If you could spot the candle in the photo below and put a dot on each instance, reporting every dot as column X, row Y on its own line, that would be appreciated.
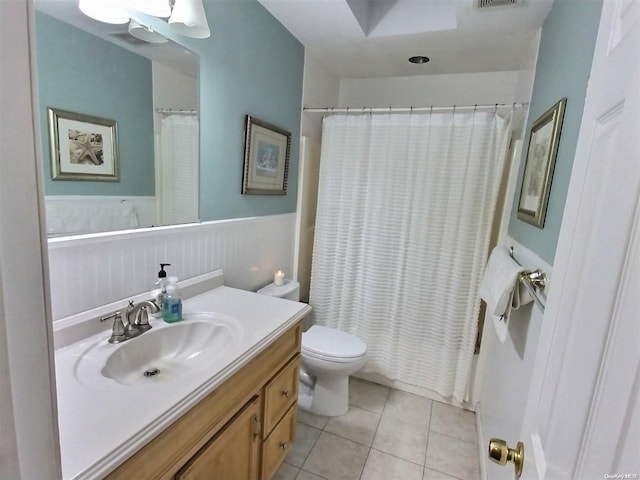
column 278, row 278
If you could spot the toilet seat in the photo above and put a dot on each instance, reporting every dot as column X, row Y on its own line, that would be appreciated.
column 332, row 345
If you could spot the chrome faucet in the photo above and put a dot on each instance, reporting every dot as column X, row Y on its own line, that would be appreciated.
column 137, row 317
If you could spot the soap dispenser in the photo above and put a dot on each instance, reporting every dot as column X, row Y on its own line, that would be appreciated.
column 159, row 289
column 172, row 302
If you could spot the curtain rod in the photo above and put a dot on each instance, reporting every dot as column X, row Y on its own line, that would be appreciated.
column 178, row 111
column 453, row 108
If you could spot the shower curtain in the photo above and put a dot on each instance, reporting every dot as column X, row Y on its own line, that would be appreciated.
column 405, row 205
column 177, row 168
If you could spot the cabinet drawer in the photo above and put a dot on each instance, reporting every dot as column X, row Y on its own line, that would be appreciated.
column 278, row 444
column 280, row 393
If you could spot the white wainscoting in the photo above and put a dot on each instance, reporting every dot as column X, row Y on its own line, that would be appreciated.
column 91, row 270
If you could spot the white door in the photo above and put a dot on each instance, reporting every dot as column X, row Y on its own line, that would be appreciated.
column 582, row 419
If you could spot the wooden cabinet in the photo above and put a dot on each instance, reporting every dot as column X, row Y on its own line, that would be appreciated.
column 278, row 443
column 280, row 394
column 280, row 408
column 242, row 430
column 232, row 453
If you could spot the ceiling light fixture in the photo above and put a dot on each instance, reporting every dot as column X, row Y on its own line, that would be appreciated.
column 145, row 33
column 105, row 11
column 186, row 17
column 419, row 59
column 189, row 18
column 155, row 8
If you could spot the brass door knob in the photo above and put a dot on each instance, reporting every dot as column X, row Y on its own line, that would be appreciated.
column 500, row 453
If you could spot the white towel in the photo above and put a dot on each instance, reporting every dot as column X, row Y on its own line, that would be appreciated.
column 499, row 281
column 502, row 290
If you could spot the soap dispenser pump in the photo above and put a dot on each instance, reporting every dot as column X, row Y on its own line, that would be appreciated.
column 160, row 289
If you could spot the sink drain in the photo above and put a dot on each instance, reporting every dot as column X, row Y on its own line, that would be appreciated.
column 152, row 372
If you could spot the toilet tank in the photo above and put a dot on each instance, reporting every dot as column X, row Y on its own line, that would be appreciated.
column 290, row 290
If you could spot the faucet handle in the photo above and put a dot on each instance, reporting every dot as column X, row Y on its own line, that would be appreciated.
column 142, row 319
column 117, row 331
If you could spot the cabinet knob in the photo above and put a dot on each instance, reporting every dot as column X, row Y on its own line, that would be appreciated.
column 285, row 393
column 283, row 445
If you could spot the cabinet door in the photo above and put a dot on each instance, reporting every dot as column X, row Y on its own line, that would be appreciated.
column 231, row 454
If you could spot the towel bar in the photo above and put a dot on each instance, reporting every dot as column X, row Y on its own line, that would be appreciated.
column 533, row 281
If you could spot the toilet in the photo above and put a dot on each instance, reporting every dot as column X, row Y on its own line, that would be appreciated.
column 328, row 357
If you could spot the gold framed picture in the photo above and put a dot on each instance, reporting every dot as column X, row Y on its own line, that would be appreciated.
column 266, row 158
column 544, row 139
column 82, row 147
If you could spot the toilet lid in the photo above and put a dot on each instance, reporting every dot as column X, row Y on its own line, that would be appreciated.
column 329, row 342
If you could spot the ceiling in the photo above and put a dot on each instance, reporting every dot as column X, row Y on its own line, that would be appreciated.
column 375, row 38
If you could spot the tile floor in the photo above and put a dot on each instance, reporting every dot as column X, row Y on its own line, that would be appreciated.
column 386, row 435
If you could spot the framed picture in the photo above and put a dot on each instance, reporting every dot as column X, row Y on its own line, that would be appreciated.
column 266, row 158
column 82, row 147
column 538, row 171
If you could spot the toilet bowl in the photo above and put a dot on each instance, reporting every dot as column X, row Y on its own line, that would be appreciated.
column 328, row 356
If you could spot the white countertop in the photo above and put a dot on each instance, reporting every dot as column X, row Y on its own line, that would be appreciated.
column 101, row 427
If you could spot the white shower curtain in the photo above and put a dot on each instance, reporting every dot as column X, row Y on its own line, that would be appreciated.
column 405, row 206
column 177, row 168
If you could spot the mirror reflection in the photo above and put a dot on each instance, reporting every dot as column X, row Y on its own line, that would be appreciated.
column 150, row 90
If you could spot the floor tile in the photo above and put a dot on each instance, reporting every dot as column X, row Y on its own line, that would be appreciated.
column 453, row 456
column 306, row 438
column 381, row 466
column 408, row 407
column 454, row 422
column 286, row 472
column 336, row 458
column 401, row 438
column 357, row 424
column 311, row 419
column 367, row 395
column 304, row 475
column 401, row 428
column 433, row 475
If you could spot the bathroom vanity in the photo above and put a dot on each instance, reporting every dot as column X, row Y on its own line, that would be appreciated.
column 230, row 415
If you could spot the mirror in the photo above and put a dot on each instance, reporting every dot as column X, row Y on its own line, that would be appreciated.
column 99, row 71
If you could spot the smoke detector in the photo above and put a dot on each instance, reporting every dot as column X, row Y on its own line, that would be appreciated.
column 496, row 3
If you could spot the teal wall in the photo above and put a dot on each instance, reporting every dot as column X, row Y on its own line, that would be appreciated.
column 562, row 70
column 250, row 65
column 82, row 73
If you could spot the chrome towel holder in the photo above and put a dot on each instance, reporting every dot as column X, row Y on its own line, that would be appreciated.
column 535, row 281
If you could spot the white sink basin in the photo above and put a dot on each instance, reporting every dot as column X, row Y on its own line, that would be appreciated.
column 165, row 353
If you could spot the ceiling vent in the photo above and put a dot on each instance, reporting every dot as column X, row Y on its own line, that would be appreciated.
column 495, row 3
